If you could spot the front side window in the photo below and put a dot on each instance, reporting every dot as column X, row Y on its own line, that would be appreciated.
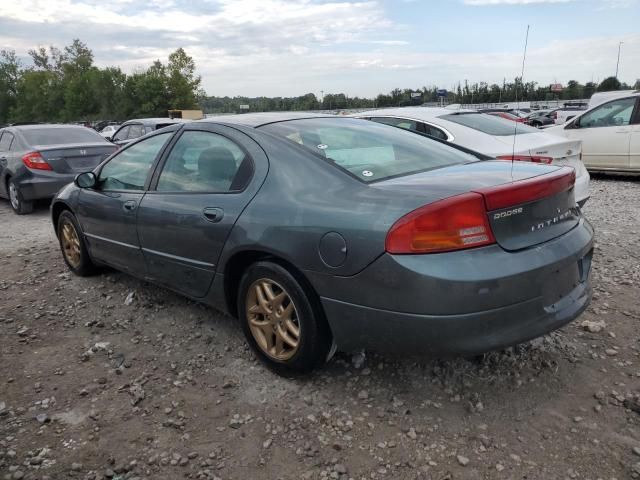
column 203, row 162
column 489, row 124
column 368, row 150
column 612, row 114
column 5, row 142
column 128, row 170
column 135, row 131
column 122, row 133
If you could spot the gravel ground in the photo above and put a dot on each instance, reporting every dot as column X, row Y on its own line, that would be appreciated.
column 93, row 386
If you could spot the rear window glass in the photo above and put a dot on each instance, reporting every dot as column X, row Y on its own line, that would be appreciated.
column 489, row 124
column 368, row 150
column 56, row 136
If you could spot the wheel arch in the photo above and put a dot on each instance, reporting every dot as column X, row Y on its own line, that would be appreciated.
column 56, row 210
column 236, row 266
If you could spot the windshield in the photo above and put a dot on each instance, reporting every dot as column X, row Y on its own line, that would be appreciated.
column 489, row 124
column 369, row 151
column 57, row 136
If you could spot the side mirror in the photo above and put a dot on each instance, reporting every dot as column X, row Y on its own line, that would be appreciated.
column 109, row 139
column 86, row 180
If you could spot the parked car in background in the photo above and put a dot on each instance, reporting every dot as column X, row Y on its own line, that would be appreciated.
column 602, row 97
column 322, row 233
column 108, row 131
column 491, row 136
column 508, row 116
column 38, row 160
column 610, row 134
column 132, row 129
column 540, row 118
column 563, row 115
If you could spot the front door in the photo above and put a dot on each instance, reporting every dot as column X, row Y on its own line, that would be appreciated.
column 605, row 132
column 108, row 213
column 204, row 183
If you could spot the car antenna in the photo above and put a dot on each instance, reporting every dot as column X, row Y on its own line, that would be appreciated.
column 515, row 128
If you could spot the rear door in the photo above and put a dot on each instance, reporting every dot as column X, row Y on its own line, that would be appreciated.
column 204, row 183
column 108, row 213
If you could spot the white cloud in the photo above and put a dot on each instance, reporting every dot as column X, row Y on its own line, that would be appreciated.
column 280, row 47
column 511, row 2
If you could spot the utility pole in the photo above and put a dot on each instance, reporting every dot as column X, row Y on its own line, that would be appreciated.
column 618, row 62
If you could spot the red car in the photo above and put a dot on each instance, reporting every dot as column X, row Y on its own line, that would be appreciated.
column 508, row 116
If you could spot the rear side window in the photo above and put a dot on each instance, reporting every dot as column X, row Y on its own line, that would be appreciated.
column 489, row 124
column 368, row 150
column 56, row 136
column 397, row 122
column 5, row 142
column 204, row 162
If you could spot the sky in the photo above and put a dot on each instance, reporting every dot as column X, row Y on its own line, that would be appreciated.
column 361, row 48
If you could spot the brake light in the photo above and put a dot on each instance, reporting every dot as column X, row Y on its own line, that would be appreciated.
column 527, row 158
column 454, row 223
column 529, row 190
column 34, row 161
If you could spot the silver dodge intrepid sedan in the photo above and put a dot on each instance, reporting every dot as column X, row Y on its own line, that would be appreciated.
column 321, row 233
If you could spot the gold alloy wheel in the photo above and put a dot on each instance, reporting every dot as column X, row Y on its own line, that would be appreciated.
column 70, row 243
column 273, row 319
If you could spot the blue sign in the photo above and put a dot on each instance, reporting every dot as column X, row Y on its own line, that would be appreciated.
column 442, row 92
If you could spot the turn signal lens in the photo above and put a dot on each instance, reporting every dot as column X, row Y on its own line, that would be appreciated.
column 454, row 223
column 526, row 158
column 35, row 161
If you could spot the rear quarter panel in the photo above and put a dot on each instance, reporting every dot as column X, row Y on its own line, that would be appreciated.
column 302, row 199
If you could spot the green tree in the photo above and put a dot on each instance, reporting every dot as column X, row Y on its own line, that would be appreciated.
column 10, row 71
column 183, row 85
column 609, row 84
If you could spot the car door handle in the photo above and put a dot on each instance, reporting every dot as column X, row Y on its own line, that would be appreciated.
column 213, row 214
column 129, row 205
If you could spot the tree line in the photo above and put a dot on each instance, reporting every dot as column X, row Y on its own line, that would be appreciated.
column 464, row 93
column 64, row 85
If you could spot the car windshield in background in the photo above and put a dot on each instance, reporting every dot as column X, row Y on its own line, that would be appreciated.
column 489, row 124
column 57, row 136
column 370, row 151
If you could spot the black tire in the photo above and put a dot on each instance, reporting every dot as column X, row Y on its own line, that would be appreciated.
column 83, row 267
column 536, row 124
column 19, row 205
column 314, row 337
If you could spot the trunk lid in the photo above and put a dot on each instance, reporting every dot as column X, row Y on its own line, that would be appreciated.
column 75, row 158
column 527, row 204
column 542, row 144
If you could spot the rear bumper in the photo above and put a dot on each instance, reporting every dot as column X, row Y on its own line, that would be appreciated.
column 464, row 302
column 36, row 185
column 581, row 189
column 355, row 327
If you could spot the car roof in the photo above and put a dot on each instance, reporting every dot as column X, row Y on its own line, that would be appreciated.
column 263, row 118
column 419, row 113
column 154, row 121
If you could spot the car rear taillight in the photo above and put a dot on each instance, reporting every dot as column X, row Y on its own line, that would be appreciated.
column 454, row 223
column 554, row 115
column 34, row 161
column 527, row 158
column 462, row 221
column 529, row 190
